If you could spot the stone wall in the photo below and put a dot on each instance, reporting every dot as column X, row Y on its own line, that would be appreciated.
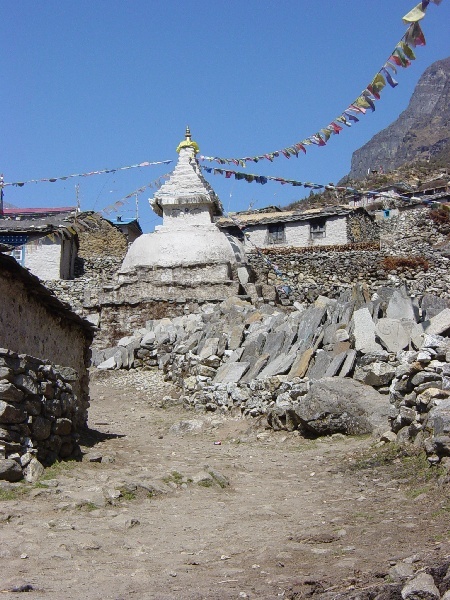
column 34, row 322
column 311, row 272
column 362, row 228
column 39, row 411
column 83, row 292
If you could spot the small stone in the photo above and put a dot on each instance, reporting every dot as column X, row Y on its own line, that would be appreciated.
column 33, row 471
column 95, row 457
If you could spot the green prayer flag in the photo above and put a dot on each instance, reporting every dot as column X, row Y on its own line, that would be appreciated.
column 408, row 51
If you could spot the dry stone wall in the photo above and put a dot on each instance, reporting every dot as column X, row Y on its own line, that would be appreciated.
column 311, row 272
column 352, row 365
column 34, row 322
column 40, row 414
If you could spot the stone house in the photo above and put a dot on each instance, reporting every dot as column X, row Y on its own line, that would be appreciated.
column 43, row 240
column 329, row 226
column 34, row 322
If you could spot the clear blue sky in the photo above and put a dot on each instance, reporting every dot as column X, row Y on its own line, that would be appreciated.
column 93, row 84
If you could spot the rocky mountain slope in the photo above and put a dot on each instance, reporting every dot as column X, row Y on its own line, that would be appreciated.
column 421, row 132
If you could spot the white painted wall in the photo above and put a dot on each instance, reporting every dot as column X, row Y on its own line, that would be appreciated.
column 185, row 214
column 298, row 234
column 43, row 258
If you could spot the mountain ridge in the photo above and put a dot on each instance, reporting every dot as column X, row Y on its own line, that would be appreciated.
column 421, row 132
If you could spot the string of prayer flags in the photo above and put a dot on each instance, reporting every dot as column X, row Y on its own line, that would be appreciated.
column 401, row 56
column 101, row 172
column 75, row 227
column 263, row 179
column 156, row 184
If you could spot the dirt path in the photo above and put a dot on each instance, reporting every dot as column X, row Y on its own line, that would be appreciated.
column 149, row 523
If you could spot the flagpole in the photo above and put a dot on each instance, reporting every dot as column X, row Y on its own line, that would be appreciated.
column 1, row 196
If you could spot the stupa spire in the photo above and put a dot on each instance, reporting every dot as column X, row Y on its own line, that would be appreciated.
column 188, row 142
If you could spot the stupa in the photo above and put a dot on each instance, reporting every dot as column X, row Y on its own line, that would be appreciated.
column 188, row 256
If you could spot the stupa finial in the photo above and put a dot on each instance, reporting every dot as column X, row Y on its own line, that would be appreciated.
column 188, row 142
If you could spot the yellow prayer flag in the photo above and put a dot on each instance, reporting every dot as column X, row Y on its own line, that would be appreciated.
column 415, row 14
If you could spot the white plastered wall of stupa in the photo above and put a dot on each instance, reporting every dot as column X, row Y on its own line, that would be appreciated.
column 188, row 249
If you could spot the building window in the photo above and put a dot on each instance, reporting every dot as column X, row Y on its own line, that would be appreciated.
column 19, row 254
column 317, row 229
column 276, row 234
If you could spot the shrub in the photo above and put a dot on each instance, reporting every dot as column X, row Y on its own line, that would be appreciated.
column 400, row 263
column 440, row 216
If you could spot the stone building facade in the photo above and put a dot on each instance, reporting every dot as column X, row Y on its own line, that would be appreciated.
column 320, row 227
column 34, row 322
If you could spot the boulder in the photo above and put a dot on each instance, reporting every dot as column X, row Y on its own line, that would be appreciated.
column 338, row 405
column 10, row 470
column 439, row 418
column 422, row 587
column 33, row 471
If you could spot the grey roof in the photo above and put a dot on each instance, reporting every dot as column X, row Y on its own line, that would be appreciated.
column 285, row 216
column 44, row 224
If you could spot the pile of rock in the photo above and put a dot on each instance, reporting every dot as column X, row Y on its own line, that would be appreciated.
column 420, row 393
column 332, row 367
column 39, row 415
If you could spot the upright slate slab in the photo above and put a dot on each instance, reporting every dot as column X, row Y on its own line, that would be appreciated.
column 335, row 365
column 321, row 363
column 400, row 306
column 432, row 305
column 254, row 348
column 310, row 323
column 209, row 348
column 343, row 312
column 256, row 368
column 231, row 372
column 301, row 363
column 280, row 365
column 349, row 363
column 392, row 334
column 290, row 337
column 364, row 332
column 236, row 337
column 439, row 324
column 274, row 342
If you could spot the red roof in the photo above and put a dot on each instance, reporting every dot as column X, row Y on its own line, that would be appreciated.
column 41, row 211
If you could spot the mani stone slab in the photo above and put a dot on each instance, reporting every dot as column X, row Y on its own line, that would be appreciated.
column 301, row 363
column 364, row 332
column 322, row 361
column 231, row 372
column 335, row 365
column 348, row 363
column 279, row 366
column 400, row 307
column 392, row 334
column 440, row 323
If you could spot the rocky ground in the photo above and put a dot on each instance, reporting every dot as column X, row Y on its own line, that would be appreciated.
column 186, row 505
